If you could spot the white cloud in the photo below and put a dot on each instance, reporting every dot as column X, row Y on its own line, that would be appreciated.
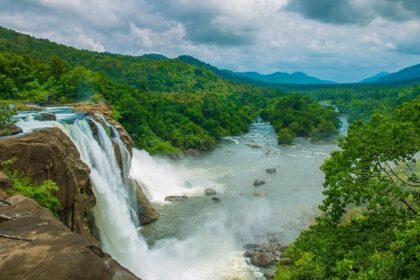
column 238, row 34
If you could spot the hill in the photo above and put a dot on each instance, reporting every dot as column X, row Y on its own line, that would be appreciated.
column 282, row 78
column 150, row 72
column 375, row 78
column 406, row 74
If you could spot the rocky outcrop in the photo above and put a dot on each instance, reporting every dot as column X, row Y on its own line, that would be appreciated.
column 35, row 245
column 49, row 154
column 146, row 212
column 10, row 130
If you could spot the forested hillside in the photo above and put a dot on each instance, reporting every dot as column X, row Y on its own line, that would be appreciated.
column 167, row 105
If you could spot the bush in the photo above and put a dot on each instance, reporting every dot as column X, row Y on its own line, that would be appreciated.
column 6, row 114
column 285, row 136
column 42, row 193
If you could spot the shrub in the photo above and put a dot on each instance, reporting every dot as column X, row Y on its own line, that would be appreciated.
column 42, row 193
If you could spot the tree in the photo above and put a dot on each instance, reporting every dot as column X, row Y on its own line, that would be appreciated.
column 375, row 167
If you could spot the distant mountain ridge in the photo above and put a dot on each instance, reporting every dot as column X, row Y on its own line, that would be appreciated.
column 375, row 77
column 406, row 74
column 283, row 78
column 255, row 77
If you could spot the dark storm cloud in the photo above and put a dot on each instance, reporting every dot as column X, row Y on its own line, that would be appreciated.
column 355, row 11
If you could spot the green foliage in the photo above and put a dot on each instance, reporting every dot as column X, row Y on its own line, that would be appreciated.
column 382, row 245
column 299, row 116
column 42, row 193
column 6, row 114
column 375, row 169
column 360, row 101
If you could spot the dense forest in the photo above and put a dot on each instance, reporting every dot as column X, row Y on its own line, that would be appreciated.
column 299, row 116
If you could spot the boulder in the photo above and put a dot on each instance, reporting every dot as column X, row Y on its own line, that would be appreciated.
column 145, row 209
column 173, row 198
column 265, row 254
column 49, row 154
column 209, row 191
column 271, row 170
column 261, row 259
column 10, row 130
column 45, row 117
column 269, row 275
column 258, row 182
column 46, row 249
column 215, row 199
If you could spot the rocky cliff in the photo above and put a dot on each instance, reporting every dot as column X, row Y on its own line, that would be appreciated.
column 35, row 245
column 48, row 154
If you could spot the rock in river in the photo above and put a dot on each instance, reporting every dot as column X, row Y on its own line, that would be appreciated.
column 258, row 182
column 173, row 198
column 271, row 170
column 265, row 254
column 209, row 191
column 45, row 117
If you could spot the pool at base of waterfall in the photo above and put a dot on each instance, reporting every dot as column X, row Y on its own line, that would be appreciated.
column 204, row 236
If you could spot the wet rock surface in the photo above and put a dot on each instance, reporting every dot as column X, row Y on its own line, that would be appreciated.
column 45, row 117
column 35, row 245
column 174, row 198
column 271, row 170
column 146, row 211
column 209, row 191
column 265, row 254
column 258, row 182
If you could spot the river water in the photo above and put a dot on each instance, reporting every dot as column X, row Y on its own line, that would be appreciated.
column 199, row 238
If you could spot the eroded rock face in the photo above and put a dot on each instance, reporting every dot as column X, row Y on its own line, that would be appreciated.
column 49, row 154
column 50, row 250
column 146, row 212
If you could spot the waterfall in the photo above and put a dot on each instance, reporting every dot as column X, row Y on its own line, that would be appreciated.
column 115, row 209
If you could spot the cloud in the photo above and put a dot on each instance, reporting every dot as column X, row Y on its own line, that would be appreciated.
column 341, row 40
column 355, row 11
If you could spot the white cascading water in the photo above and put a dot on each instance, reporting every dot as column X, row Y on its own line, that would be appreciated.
column 161, row 178
column 114, row 212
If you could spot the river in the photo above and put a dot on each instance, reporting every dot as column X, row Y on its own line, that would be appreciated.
column 199, row 238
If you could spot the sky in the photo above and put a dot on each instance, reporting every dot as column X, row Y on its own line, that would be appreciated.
column 339, row 40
